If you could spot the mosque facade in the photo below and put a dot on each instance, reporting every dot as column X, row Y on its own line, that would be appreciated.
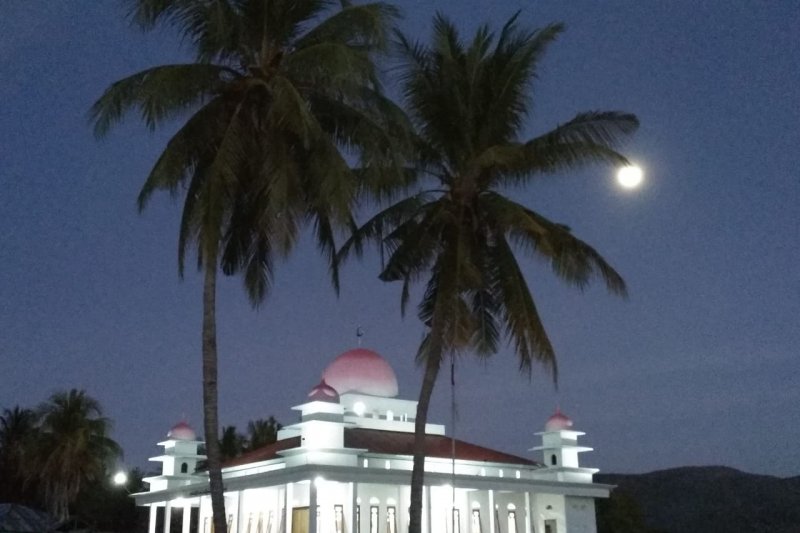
column 345, row 467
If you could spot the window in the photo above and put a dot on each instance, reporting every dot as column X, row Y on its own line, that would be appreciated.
column 269, row 522
column 358, row 519
column 338, row 518
column 456, row 521
column 184, row 468
column 373, row 519
column 550, row 526
column 391, row 520
column 512, row 522
column 553, row 460
column 476, row 521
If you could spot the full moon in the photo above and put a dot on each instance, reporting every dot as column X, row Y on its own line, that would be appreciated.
column 629, row 177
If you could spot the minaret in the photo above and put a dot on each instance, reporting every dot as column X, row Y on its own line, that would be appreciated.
column 560, row 451
column 179, row 461
column 322, row 419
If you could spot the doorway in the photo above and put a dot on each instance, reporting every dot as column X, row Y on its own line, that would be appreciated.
column 300, row 520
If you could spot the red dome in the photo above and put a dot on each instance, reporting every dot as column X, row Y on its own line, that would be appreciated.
column 182, row 431
column 362, row 371
column 557, row 422
column 323, row 393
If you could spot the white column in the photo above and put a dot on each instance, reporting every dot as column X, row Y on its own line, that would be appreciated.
column 491, row 512
column 151, row 528
column 167, row 516
column 353, row 506
column 187, row 517
column 427, row 511
column 312, row 507
column 241, row 523
column 287, row 500
column 528, row 514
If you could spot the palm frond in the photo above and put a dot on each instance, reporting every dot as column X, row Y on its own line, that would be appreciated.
column 519, row 313
column 364, row 26
column 571, row 259
column 159, row 93
column 185, row 150
column 589, row 138
column 383, row 222
column 213, row 26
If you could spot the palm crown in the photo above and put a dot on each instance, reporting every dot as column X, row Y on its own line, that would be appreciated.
column 282, row 91
column 469, row 103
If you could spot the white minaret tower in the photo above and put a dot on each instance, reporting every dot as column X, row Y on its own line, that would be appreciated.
column 560, row 451
column 179, row 461
column 321, row 431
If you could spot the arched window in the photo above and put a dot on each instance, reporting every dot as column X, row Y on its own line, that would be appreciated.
column 553, row 460
column 184, row 468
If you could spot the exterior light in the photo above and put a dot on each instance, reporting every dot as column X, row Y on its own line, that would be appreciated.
column 120, row 478
column 359, row 408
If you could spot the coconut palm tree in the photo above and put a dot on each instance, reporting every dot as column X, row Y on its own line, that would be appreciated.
column 231, row 443
column 281, row 92
column 73, row 448
column 18, row 436
column 261, row 432
column 469, row 102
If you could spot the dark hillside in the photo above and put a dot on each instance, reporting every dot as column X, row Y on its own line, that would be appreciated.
column 707, row 500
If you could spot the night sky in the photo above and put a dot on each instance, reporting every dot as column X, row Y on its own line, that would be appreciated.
column 699, row 366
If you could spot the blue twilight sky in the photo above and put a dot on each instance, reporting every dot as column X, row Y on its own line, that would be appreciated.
column 699, row 366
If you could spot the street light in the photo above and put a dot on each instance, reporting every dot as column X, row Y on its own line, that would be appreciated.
column 120, row 479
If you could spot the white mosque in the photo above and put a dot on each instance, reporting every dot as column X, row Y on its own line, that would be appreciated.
column 345, row 467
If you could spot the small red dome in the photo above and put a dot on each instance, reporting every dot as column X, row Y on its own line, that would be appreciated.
column 558, row 421
column 362, row 371
column 182, row 431
column 323, row 393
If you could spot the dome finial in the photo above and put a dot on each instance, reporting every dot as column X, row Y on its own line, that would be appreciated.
column 359, row 334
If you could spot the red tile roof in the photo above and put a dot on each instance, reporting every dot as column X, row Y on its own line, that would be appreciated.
column 390, row 442
column 265, row 453
column 402, row 443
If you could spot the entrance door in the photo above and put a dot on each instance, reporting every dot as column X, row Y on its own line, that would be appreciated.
column 300, row 520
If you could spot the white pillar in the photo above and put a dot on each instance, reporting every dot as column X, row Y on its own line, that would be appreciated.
column 427, row 512
column 151, row 528
column 312, row 507
column 287, row 500
column 353, row 506
column 187, row 517
column 528, row 514
column 241, row 524
column 491, row 512
column 167, row 516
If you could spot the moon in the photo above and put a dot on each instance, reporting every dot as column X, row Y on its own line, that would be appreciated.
column 630, row 177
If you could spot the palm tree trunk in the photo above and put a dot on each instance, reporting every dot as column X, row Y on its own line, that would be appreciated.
column 210, row 417
column 418, row 472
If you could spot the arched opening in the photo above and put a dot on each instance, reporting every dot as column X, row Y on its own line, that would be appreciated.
column 184, row 468
column 553, row 460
